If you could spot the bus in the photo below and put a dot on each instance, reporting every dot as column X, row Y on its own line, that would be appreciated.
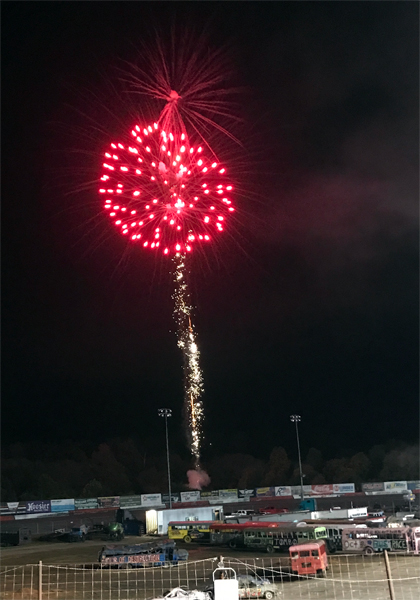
column 369, row 540
column 149, row 554
column 334, row 529
column 309, row 558
column 188, row 531
column 232, row 534
column 280, row 538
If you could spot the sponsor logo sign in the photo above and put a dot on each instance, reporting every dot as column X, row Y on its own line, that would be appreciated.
column 283, row 490
column 228, row 494
column 38, row 506
column 151, row 499
column 62, row 505
column 174, row 497
column 130, row 501
column 109, row 502
column 85, row 503
column 324, row 489
column 209, row 495
column 192, row 496
column 377, row 486
column 307, row 490
column 246, row 493
column 344, row 488
column 413, row 485
column 264, row 492
column 395, row 486
column 10, row 508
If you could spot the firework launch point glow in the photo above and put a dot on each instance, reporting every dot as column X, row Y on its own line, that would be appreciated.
column 163, row 192
column 197, row 479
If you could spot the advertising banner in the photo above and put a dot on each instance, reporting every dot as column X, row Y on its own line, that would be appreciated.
column 357, row 512
column 85, row 503
column 130, row 501
column 109, row 502
column 413, row 485
column 307, row 490
column 395, row 486
column 12, row 508
column 38, row 506
column 264, row 492
column 228, row 494
column 151, row 500
column 283, row 490
column 344, row 488
column 246, row 493
column 192, row 496
column 214, row 495
column 368, row 488
column 62, row 505
column 175, row 498
column 325, row 489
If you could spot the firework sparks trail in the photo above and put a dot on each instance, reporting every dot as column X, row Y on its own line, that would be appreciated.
column 193, row 379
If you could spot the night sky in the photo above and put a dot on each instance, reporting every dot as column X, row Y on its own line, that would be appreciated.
column 310, row 307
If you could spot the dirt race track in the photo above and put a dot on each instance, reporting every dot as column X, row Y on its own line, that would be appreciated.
column 70, row 572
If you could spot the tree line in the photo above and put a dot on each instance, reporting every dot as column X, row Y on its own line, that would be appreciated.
column 123, row 467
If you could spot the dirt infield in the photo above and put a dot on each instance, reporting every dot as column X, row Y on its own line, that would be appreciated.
column 70, row 571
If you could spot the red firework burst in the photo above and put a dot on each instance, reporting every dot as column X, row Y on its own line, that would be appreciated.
column 163, row 192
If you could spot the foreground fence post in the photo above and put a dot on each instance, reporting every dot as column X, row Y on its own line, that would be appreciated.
column 388, row 574
column 40, row 580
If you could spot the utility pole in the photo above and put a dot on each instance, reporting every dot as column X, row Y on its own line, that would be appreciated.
column 297, row 419
column 166, row 412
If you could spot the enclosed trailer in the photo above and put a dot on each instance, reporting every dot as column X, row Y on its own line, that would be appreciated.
column 157, row 520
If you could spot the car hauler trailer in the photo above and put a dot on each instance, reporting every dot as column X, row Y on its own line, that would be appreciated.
column 157, row 520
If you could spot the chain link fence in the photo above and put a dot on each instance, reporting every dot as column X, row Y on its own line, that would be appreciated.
column 350, row 577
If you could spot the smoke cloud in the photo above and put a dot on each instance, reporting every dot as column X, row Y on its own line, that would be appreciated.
column 197, row 479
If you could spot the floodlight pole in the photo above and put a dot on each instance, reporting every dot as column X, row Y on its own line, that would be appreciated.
column 166, row 412
column 296, row 419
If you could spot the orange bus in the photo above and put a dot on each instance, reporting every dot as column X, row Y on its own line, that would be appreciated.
column 309, row 558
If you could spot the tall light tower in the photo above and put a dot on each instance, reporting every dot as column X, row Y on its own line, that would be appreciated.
column 166, row 412
column 297, row 419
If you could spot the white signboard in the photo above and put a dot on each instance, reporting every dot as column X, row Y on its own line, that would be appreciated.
column 151, row 499
column 193, row 496
column 283, row 490
column 398, row 487
column 344, row 488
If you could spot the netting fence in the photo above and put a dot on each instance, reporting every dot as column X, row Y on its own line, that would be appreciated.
column 349, row 577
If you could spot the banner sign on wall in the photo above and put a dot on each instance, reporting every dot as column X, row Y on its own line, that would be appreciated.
column 413, row 485
column 192, row 496
column 377, row 486
column 228, row 494
column 175, row 498
column 395, row 486
column 12, row 508
column 324, row 489
column 246, row 493
column 344, row 488
column 38, row 506
column 130, row 501
column 296, row 490
column 264, row 492
column 109, row 502
column 85, row 503
column 283, row 490
column 214, row 495
column 151, row 499
column 62, row 505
